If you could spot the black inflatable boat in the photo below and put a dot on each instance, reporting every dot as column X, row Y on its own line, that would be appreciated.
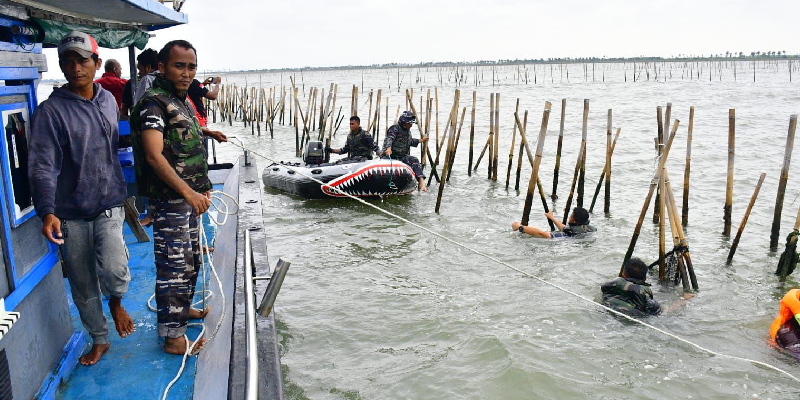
column 372, row 178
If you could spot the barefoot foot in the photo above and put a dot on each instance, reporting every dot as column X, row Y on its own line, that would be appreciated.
column 122, row 321
column 177, row 346
column 93, row 356
column 422, row 187
column 197, row 314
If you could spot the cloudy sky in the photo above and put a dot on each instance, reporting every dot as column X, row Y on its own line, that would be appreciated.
column 251, row 34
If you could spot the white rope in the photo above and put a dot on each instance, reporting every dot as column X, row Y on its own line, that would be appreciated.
column 478, row 252
column 221, row 209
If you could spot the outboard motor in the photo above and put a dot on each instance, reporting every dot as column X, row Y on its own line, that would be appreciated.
column 315, row 153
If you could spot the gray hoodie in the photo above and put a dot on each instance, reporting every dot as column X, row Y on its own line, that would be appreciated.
column 73, row 166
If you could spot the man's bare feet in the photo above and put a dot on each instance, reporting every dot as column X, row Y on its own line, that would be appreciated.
column 197, row 314
column 422, row 187
column 146, row 221
column 93, row 356
column 122, row 321
column 178, row 346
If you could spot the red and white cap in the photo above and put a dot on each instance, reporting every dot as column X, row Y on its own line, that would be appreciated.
column 78, row 42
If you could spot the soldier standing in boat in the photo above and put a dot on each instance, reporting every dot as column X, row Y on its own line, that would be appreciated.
column 398, row 142
column 78, row 189
column 171, row 170
column 359, row 145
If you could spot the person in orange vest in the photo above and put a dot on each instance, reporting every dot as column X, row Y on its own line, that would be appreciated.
column 785, row 329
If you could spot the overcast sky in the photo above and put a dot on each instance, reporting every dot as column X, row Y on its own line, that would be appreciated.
column 253, row 34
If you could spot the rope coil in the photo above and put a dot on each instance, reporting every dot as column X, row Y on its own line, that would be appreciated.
column 541, row 280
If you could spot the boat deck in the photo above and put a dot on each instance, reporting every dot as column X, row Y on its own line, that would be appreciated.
column 136, row 367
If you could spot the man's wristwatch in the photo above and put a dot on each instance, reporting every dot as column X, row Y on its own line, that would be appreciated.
column 521, row 228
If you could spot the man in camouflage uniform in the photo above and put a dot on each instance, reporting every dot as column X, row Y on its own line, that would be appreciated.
column 578, row 224
column 398, row 143
column 359, row 145
column 630, row 293
column 171, row 170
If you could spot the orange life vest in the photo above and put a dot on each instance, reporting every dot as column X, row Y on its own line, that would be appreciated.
column 790, row 308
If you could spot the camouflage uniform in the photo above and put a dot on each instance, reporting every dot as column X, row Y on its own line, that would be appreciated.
column 630, row 296
column 175, row 226
column 359, row 146
column 399, row 139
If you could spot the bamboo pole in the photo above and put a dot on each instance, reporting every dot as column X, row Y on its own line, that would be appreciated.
column 662, row 266
column 584, row 134
column 452, row 125
column 511, row 149
column 526, row 212
column 524, row 145
column 472, row 131
column 436, row 116
column 729, row 187
column 685, row 268
column 455, row 146
column 647, row 199
column 657, row 211
column 603, row 174
column 787, row 159
column 435, row 162
column 558, row 151
column 496, row 147
column 491, row 134
column 746, row 216
column 685, row 208
column 784, row 265
column 421, row 133
column 521, row 147
column 607, row 200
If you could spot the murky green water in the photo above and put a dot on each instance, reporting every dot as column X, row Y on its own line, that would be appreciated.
column 375, row 309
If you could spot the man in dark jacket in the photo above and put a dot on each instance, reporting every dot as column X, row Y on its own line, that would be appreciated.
column 398, row 143
column 359, row 145
column 77, row 187
column 578, row 224
column 630, row 294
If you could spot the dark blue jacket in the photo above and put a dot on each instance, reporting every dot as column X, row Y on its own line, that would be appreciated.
column 73, row 166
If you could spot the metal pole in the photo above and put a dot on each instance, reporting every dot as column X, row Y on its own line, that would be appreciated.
column 132, row 62
column 251, row 380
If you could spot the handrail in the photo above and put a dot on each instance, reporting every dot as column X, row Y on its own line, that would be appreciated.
column 251, row 379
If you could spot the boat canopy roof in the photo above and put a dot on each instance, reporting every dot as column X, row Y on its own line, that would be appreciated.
column 113, row 23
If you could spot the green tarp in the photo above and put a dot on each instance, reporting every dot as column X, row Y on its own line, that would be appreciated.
column 110, row 38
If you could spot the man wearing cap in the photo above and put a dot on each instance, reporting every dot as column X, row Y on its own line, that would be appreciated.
column 398, row 143
column 78, row 189
column 171, row 170
column 112, row 80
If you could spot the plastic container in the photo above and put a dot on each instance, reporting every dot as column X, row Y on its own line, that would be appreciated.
column 125, row 156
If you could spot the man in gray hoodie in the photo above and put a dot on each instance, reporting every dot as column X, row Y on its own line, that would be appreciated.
column 78, row 188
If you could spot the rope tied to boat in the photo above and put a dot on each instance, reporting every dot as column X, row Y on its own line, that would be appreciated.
column 537, row 278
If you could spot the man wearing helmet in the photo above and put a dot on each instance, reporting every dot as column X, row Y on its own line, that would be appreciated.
column 398, row 142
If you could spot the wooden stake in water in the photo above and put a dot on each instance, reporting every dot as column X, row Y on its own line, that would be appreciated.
column 787, row 159
column 607, row 200
column 512, row 148
column 524, row 145
column 603, row 174
column 649, row 197
column 558, row 151
column 729, row 187
column 657, row 211
column 496, row 147
column 521, row 147
column 685, row 266
column 472, row 131
column 526, row 212
column 685, row 208
column 584, row 134
column 450, row 141
column 746, row 216
column 491, row 134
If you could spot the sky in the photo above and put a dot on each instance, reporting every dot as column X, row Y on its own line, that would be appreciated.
column 260, row 34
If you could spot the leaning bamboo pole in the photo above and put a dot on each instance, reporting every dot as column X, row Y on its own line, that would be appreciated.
column 450, row 142
column 511, row 149
column 526, row 212
column 787, row 159
column 657, row 211
column 524, row 145
column 647, row 199
column 603, row 174
column 729, row 186
column 746, row 216
column 521, row 148
column 455, row 146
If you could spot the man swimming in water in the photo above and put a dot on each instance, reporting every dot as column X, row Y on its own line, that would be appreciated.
column 578, row 223
column 630, row 294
